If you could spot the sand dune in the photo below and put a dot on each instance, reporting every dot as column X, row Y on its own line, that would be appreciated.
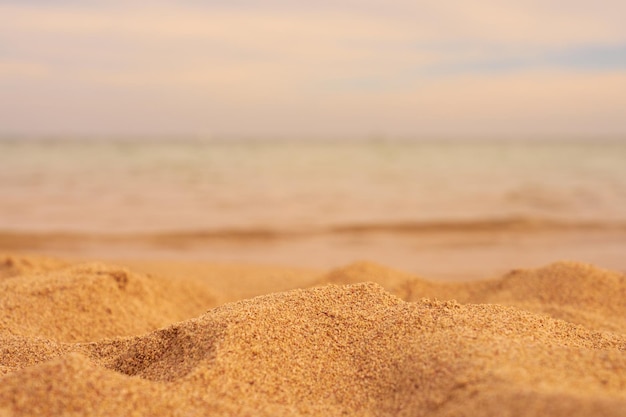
column 345, row 347
column 93, row 301
column 20, row 265
column 571, row 291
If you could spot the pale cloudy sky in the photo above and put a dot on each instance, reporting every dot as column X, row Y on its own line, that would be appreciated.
column 344, row 68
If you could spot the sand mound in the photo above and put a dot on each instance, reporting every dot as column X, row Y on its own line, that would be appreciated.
column 571, row 291
column 19, row 352
column 12, row 265
column 358, row 350
column 97, row 340
column 329, row 350
column 73, row 385
column 93, row 301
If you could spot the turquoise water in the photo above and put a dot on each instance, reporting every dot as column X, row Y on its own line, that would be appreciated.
column 182, row 185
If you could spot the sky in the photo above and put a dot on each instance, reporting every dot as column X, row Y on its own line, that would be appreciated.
column 343, row 68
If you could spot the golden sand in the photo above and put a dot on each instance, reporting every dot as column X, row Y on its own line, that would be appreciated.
column 571, row 291
column 363, row 340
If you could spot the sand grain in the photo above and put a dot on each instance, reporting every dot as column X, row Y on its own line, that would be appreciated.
column 543, row 342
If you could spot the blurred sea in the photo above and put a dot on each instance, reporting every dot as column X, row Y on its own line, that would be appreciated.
column 186, row 186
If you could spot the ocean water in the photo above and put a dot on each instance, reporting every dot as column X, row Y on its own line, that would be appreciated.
column 145, row 186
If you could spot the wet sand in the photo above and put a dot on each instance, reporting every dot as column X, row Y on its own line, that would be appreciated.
column 454, row 251
column 197, row 338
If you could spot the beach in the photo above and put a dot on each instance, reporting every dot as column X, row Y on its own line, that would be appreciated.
column 287, row 208
column 322, row 279
column 365, row 339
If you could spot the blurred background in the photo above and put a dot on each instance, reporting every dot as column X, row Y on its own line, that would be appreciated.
column 453, row 140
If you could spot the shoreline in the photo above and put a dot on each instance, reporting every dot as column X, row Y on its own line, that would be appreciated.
column 445, row 253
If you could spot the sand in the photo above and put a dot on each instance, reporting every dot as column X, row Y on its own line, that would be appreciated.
column 102, row 339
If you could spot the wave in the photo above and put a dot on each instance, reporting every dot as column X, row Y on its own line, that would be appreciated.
column 478, row 225
column 510, row 224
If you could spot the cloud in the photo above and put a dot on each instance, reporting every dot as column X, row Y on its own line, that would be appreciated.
column 424, row 32
column 342, row 66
